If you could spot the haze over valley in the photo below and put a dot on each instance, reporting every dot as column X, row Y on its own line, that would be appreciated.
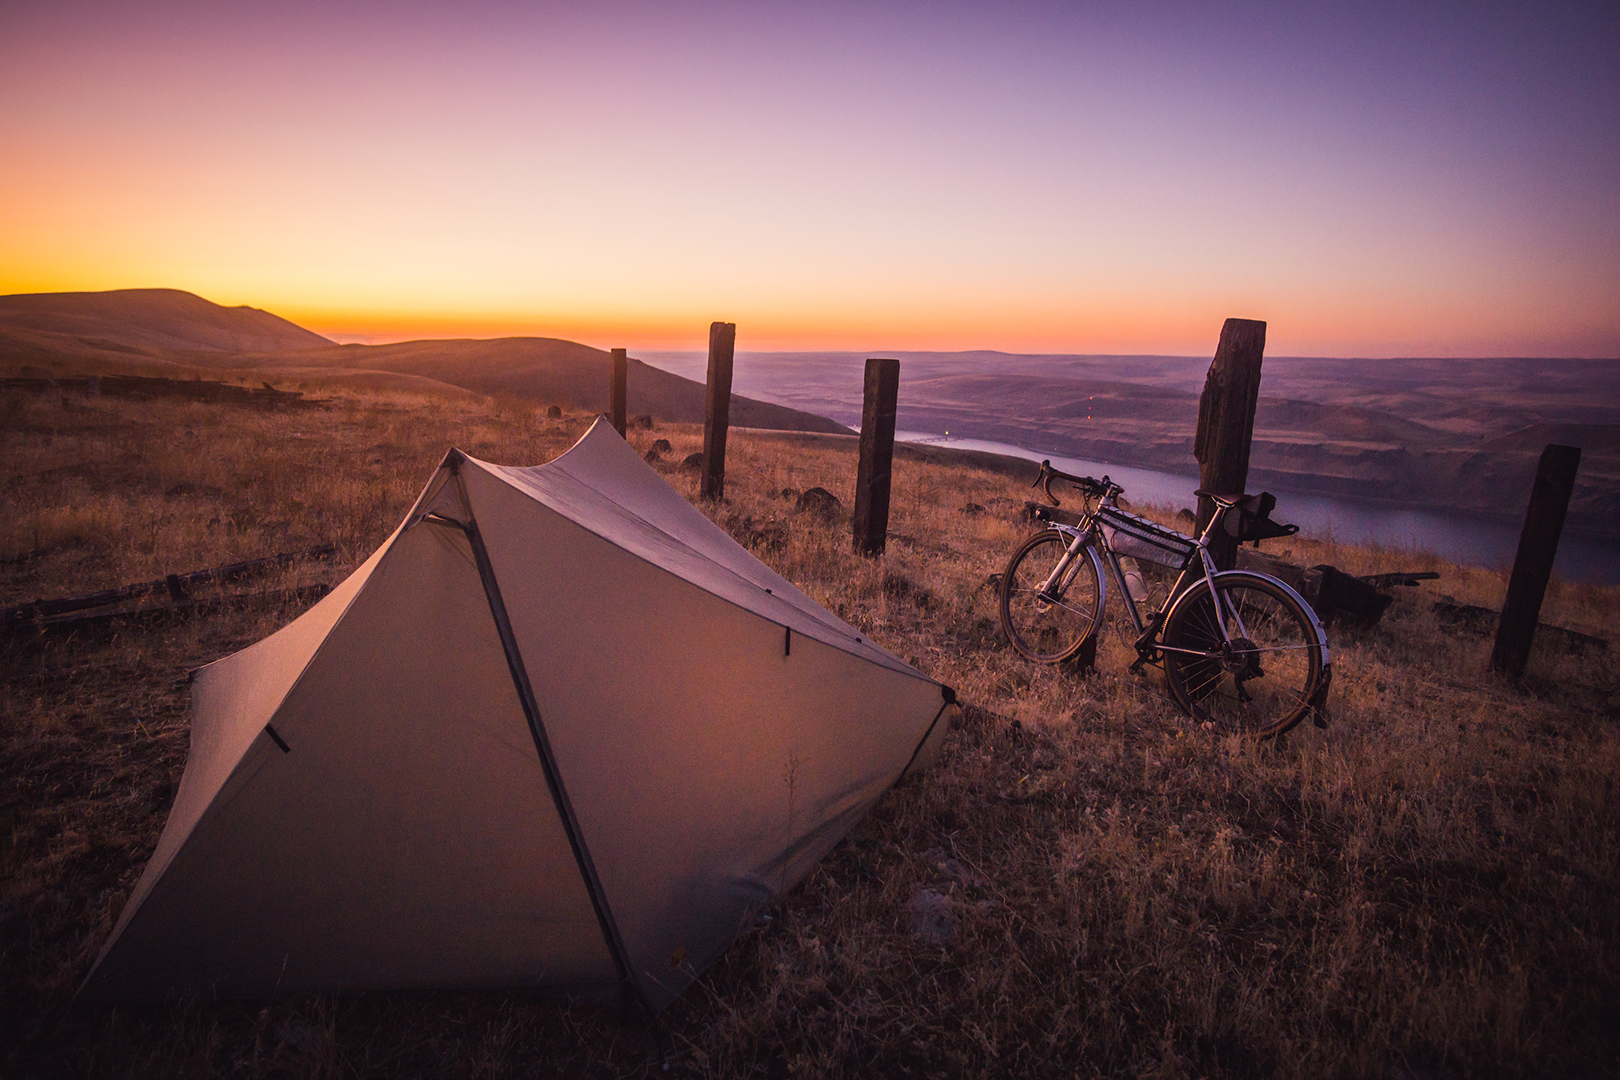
column 1457, row 434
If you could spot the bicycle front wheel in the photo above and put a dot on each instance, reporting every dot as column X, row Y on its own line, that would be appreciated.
column 1258, row 677
column 1050, row 623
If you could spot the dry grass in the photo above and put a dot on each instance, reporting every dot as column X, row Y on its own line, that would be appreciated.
column 1426, row 888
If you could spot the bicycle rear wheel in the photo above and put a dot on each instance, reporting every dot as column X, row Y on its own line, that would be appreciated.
column 1050, row 626
column 1270, row 674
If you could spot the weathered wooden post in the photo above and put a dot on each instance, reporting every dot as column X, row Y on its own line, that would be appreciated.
column 717, row 409
column 1226, row 423
column 1532, row 566
column 871, row 516
column 621, row 364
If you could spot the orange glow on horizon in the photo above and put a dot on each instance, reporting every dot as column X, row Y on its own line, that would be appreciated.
column 1056, row 181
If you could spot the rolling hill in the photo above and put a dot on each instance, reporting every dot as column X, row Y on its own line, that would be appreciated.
column 166, row 331
column 132, row 322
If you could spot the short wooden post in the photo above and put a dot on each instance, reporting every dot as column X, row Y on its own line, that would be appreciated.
column 1532, row 566
column 871, row 516
column 717, row 409
column 1226, row 424
column 1085, row 661
column 621, row 363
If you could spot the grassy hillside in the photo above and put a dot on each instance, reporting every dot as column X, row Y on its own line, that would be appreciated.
column 545, row 370
column 170, row 333
column 1086, row 885
column 132, row 322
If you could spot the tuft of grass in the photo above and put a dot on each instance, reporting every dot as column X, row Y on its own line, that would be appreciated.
column 1427, row 887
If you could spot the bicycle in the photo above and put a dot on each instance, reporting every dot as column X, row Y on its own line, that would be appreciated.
column 1241, row 651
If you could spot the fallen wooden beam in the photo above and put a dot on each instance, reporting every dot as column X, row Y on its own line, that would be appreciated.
column 1385, row 581
column 147, row 387
column 184, row 610
column 173, row 584
column 1483, row 620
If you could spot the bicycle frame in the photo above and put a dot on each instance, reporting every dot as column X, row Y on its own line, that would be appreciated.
column 1216, row 626
column 1148, row 648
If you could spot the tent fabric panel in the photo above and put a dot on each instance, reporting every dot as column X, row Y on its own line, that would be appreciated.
column 408, row 839
column 708, row 770
column 604, row 486
column 232, row 700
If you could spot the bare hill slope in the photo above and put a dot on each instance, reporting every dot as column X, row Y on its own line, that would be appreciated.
column 551, row 370
column 169, row 332
column 155, row 322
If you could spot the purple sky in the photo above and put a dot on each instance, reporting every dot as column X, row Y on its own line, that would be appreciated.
column 1372, row 180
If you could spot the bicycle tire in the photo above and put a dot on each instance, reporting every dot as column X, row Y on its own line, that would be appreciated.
column 1050, row 629
column 1264, row 684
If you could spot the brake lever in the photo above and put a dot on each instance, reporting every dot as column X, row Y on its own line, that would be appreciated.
column 1043, row 479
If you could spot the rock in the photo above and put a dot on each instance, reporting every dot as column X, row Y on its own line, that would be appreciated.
column 790, row 493
column 653, row 456
column 693, row 461
column 972, row 509
column 644, row 421
column 1185, row 514
column 662, row 446
column 821, row 503
column 553, row 412
column 933, row 916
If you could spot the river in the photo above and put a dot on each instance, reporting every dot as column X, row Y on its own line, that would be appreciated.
column 1462, row 538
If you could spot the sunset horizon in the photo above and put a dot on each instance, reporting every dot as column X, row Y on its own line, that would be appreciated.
column 1383, row 182
column 673, row 334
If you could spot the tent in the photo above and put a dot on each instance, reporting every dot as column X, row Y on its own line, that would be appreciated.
column 559, row 731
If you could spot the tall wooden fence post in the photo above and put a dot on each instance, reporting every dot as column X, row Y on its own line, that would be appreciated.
column 1226, row 423
column 871, row 517
column 717, row 408
column 621, row 364
column 1532, row 566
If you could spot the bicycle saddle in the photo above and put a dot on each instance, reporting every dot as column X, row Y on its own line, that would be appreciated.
column 1222, row 501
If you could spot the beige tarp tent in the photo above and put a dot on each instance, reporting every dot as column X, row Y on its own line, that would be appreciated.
column 558, row 731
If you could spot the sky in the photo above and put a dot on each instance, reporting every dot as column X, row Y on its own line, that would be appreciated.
column 1371, row 179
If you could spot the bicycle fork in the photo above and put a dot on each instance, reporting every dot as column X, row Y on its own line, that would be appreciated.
column 1057, row 582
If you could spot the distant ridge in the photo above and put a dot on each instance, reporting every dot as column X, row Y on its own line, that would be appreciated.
column 167, row 331
column 147, row 320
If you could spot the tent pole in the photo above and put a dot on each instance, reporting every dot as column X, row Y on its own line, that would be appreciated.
column 542, row 744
